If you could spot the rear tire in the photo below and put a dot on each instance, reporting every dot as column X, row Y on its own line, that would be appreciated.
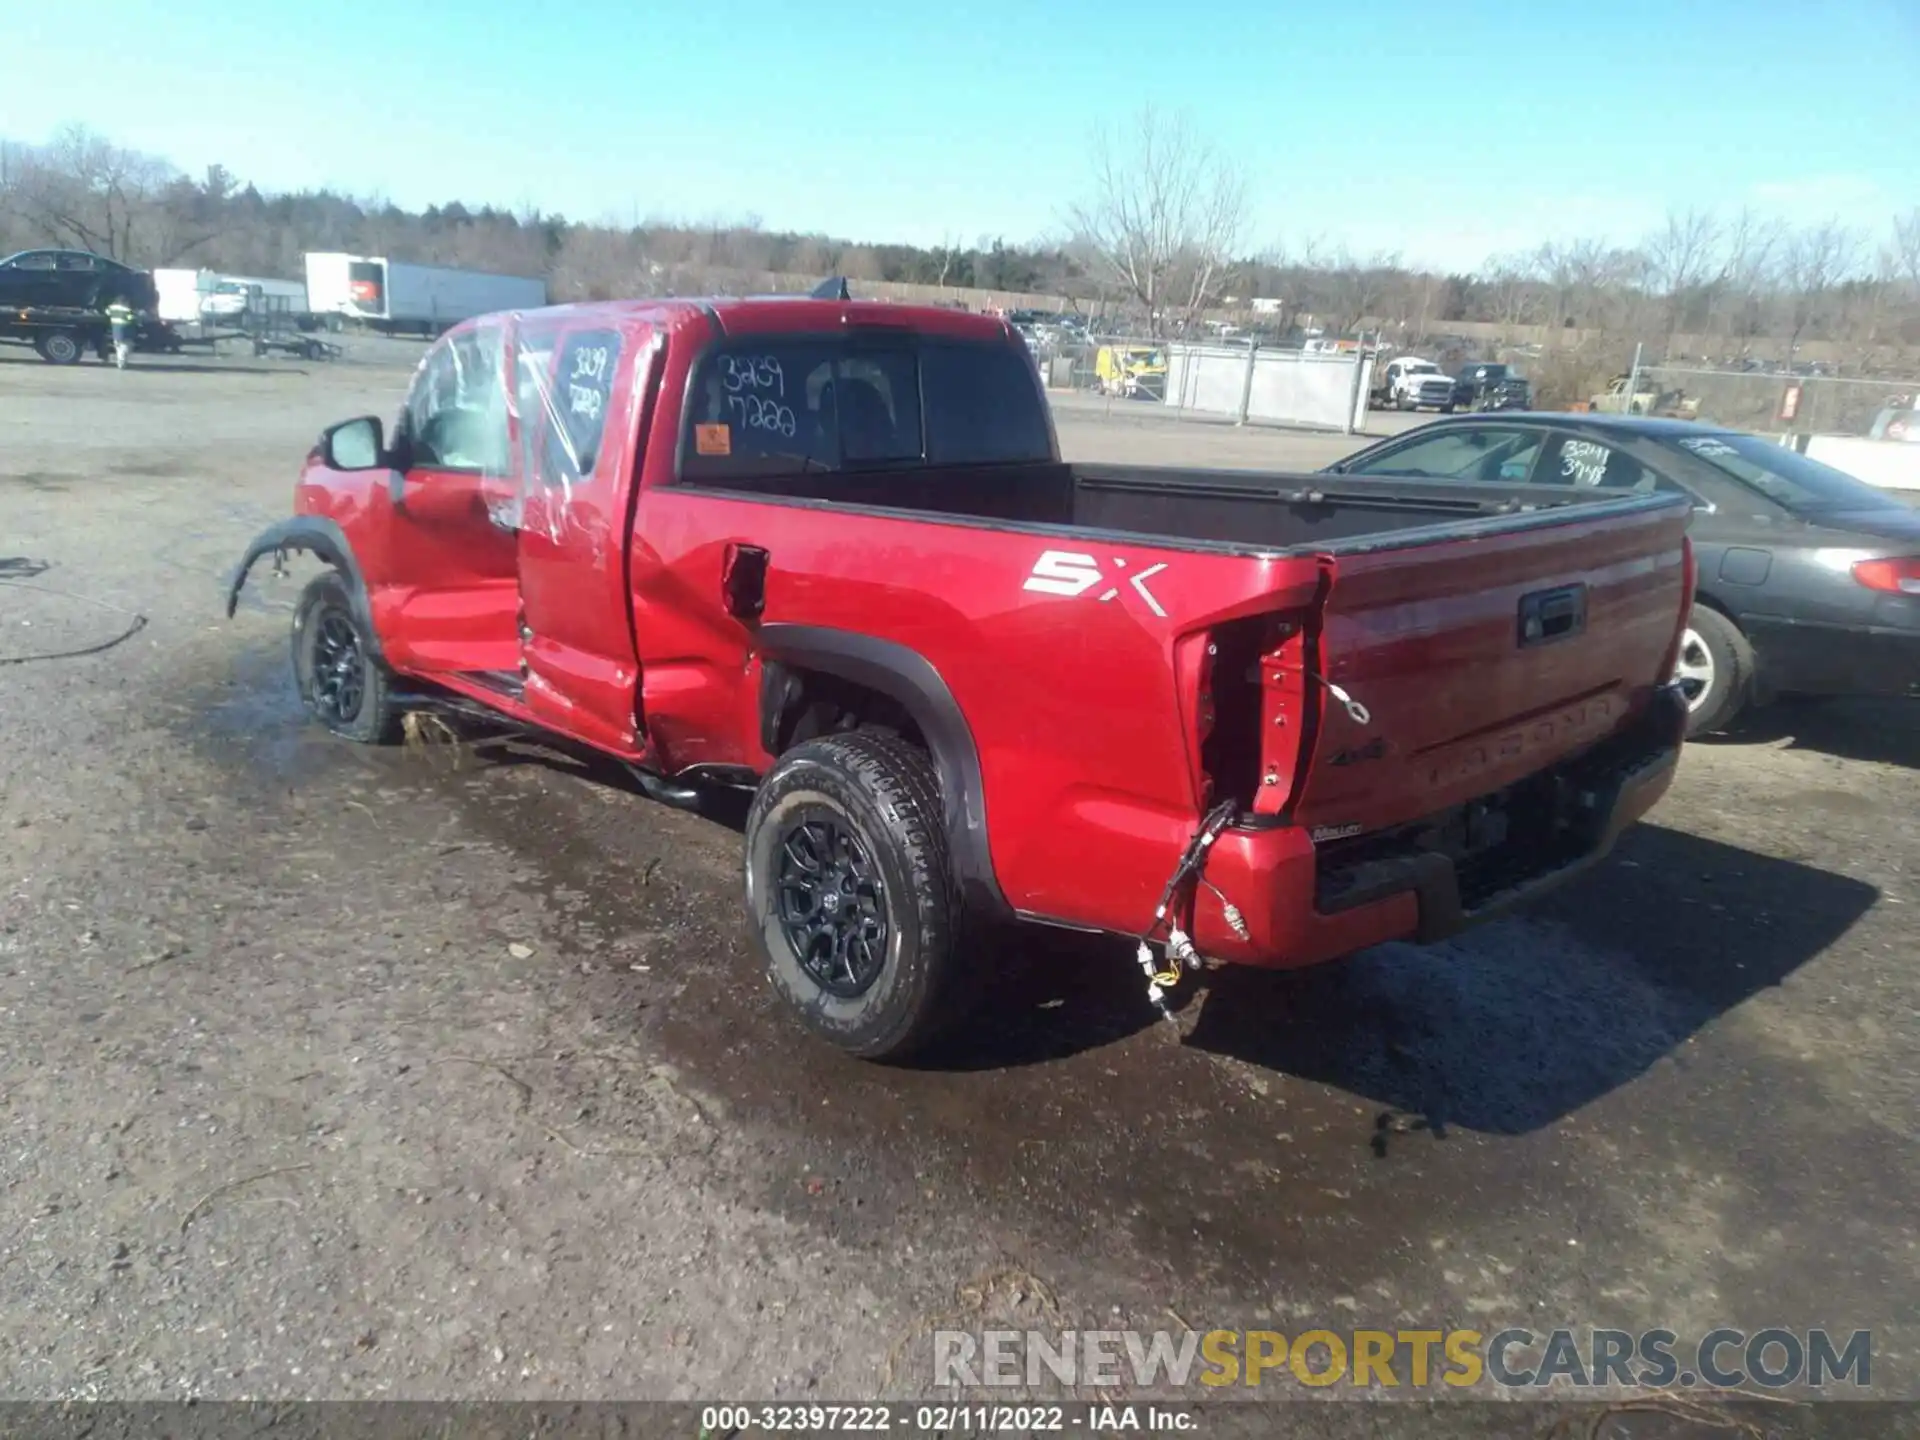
column 62, row 347
column 850, row 894
column 340, row 682
column 1714, row 671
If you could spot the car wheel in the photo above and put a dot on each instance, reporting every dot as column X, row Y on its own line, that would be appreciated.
column 1446, row 409
column 62, row 347
column 340, row 682
column 1714, row 670
column 850, row 894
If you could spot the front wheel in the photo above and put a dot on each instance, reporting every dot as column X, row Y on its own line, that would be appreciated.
column 1714, row 671
column 340, row 682
column 850, row 894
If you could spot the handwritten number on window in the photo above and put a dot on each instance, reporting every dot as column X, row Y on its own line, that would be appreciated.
column 756, row 413
column 747, row 374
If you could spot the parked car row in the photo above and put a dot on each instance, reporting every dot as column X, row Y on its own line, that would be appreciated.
column 1809, row 580
column 1408, row 382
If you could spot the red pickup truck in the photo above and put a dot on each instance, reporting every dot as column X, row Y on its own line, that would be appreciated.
column 828, row 550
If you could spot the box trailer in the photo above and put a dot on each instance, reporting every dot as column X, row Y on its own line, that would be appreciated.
column 396, row 295
column 181, row 294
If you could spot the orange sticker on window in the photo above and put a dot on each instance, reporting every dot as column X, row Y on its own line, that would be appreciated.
column 713, row 439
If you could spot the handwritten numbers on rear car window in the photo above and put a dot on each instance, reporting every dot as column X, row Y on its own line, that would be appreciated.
column 746, row 374
column 1584, row 462
column 755, row 412
column 756, row 387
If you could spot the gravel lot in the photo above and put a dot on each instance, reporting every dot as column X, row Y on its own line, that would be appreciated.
column 437, row 1072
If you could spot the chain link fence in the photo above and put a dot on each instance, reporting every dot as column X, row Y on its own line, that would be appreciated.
column 1772, row 402
column 1222, row 378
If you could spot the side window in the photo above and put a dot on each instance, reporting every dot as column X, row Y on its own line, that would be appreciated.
column 1582, row 461
column 455, row 416
column 1487, row 454
column 575, row 422
column 35, row 260
column 984, row 406
column 72, row 260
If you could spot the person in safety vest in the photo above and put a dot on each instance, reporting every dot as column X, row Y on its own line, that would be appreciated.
column 122, row 317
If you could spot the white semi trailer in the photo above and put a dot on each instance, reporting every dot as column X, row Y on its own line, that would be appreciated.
column 395, row 295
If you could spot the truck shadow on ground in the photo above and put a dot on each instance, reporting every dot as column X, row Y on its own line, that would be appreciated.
column 1883, row 730
column 1509, row 1028
column 1504, row 1030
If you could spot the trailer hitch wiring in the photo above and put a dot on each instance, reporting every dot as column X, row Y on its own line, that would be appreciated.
column 1180, row 953
column 15, row 570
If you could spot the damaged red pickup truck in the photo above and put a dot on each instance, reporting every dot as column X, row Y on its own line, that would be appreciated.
column 828, row 550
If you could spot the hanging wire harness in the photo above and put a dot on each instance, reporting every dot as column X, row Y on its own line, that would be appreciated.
column 1180, row 956
column 1189, row 875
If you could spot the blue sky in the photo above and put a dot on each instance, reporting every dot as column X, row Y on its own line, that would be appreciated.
column 1444, row 131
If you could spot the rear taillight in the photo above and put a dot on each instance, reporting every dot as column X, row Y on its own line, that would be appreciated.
column 1896, row 577
column 1689, row 579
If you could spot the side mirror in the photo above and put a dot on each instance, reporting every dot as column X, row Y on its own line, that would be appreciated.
column 354, row 444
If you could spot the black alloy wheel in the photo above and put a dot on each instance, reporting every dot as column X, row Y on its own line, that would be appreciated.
column 339, row 668
column 832, row 904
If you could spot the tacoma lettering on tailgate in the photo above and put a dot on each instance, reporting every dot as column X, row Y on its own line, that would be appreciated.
column 1589, row 718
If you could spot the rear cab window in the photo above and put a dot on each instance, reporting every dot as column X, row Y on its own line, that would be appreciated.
column 774, row 405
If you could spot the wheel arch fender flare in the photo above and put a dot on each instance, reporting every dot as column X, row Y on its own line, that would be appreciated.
column 326, row 541
column 910, row 680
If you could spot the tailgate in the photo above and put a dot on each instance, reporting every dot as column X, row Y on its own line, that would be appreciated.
column 1476, row 662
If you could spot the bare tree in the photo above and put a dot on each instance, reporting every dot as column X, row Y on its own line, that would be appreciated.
column 1512, row 290
column 1812, row 264
column 1904, row 257
column 1681, row 257
column 85, row 191
column 1165, row 216
column 1355, row 288
column 1749, row 258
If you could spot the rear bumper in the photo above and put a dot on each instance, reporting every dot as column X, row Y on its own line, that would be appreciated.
column 1814, row 659
column 1304, row 904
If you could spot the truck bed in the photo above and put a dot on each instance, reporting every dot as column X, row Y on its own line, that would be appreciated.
column 1381, row 654
column 1251, row 512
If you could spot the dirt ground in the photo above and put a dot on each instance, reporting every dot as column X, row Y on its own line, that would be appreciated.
column 439, row 1072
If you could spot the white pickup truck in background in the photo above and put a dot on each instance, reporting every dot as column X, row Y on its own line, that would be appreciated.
column 1410, row 383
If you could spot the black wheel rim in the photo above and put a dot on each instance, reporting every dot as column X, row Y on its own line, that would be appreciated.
column 339, row 667
column 832, row 904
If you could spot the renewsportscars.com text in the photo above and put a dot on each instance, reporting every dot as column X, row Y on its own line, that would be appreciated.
column 1585, row 1358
